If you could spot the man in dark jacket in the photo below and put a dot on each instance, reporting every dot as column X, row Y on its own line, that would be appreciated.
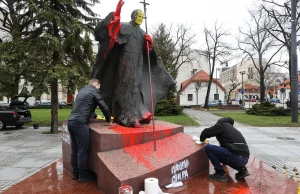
column 233, row 150
column 84, row 107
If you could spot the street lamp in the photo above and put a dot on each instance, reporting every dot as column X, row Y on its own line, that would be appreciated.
column 294, row 65
column 243, row 73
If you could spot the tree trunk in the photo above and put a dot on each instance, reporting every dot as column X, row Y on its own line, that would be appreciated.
column 208, row 93
column 197, row 97
column 54, row 106
column 262, row 87
column 228, row 97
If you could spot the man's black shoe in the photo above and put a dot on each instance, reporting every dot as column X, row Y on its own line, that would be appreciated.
column 218, row 176
column 88, row 178
column 75, row 176
column 242, row 173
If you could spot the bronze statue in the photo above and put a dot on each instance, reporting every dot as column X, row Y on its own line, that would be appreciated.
column 122, row 68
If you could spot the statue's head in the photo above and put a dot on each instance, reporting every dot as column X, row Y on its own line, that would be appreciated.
column 137, row 17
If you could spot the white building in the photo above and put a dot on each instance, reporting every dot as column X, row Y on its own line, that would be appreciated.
column 284, row 90
column 193, row 90
column 186, row 71
column 242, row 73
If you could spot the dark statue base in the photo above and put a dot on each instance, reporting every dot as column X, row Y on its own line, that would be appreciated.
column 125, row 156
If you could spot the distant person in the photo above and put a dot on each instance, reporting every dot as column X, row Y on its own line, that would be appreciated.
column 85, row 104
column 240, row 102
column 233, row 150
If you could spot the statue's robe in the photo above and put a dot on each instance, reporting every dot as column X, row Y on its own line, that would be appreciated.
column 122, row 68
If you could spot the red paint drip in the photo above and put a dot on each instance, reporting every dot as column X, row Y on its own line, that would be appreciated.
column 169, row 150
column 141, row 155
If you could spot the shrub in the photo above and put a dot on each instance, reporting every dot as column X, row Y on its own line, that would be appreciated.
column 167, row 108
column 268, row 109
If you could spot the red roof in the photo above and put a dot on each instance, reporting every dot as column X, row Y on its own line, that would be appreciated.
column 287, row 83
column 200, row 76
column 249, row 87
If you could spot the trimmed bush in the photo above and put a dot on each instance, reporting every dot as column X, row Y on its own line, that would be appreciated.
column 167, row 108
column 268, row 109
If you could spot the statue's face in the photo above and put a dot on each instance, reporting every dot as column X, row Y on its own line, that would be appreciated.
column 139, row 18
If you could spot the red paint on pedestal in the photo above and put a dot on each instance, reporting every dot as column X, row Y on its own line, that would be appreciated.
column 262, row 180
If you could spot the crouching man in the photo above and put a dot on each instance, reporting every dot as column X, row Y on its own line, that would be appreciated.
column 233, row 150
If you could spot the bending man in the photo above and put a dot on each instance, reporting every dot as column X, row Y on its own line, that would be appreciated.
column 85, row 104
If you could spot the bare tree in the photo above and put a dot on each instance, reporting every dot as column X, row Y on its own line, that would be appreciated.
column 216, row 51
column 232, row 86
column 256, row 41
column 269, row 78
column 280, row 14
column 174, row 46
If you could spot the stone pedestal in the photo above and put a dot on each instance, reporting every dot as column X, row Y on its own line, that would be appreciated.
column 122, row 156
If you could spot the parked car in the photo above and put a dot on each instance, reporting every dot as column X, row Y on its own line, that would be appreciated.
column 62, row 103
column 276, row 100
column 213, row 103
column 15, row 113
column 45, row 103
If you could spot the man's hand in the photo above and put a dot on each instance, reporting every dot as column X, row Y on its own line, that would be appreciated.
column 149, row 42
column 109, row 119
column 119, row 7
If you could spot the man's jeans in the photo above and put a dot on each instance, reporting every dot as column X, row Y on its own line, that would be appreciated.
column 80, row 138
column 218, row 155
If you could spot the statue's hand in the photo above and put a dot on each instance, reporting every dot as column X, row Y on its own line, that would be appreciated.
column 149, row 42
column 118, row 9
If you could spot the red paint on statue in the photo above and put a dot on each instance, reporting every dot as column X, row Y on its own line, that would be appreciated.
column 113, row 30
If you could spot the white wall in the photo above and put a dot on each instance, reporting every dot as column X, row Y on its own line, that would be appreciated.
column 184, row 72
column 201, row 95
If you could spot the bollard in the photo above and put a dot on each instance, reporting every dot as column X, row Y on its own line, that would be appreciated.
column 296, row 174
column 285, row 171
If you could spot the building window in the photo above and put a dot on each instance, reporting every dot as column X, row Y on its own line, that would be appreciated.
column 250, row 72
column 1, row 98
column 193, row 72
column 190, row 97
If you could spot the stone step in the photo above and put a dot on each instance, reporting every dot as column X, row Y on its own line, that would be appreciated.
column 107, row 137
column 177, row 158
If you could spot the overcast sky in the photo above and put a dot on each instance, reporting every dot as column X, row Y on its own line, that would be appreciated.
column 230, row 13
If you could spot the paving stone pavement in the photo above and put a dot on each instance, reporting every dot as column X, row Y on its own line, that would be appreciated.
column 25, row 151
column 266, row 143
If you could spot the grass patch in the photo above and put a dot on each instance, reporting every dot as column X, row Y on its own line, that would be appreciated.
column 260, row 121
column 43, row 117
column 182, row 119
